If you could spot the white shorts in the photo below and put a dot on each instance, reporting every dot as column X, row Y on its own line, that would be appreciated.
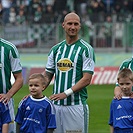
column 72, row 119
column 12, row 125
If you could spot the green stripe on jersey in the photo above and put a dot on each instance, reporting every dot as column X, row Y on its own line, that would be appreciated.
column 128, row 63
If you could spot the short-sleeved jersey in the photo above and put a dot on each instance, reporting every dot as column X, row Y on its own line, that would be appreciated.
column 68, row 63
column 9, row 62
column 121, row 113
column 4, row 115
column 36, row 115
column 128, row 63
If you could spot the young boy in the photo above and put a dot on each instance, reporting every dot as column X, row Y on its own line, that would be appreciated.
column 121, row 111
column 5, row 118
column 36, row 113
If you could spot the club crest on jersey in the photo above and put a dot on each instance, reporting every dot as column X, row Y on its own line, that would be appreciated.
column 65, row 64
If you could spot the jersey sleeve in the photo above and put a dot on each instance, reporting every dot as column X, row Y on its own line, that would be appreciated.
column 20, row 112
column 111, row 115
column 50, row 66
column 15, row 60
column 51, row 116
column 88, row 61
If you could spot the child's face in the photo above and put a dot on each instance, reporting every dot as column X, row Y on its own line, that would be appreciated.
column 125, row 85
column 36, row 87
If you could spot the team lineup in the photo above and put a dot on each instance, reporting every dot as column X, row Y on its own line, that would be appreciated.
column 72, row 63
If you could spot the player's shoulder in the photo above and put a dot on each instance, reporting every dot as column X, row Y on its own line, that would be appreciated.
column 85, row 45
column 127, row 60
column 58, row 44
column 48, row 100
column 50, row 103
column 55, row 48
column 126, row 63
column 9, row 44
column 23, row 101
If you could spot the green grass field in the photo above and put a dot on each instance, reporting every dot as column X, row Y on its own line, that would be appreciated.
column 100, row 97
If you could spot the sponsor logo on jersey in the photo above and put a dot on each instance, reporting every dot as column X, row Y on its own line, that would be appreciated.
column 65, row 64
column 124, row 117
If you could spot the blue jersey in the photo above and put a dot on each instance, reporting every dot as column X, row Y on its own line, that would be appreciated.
column 121, row 113
column 35, row 115
column 4, row 115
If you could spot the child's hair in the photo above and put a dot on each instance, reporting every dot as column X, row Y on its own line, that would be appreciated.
column 38, row 76
column 125, row 73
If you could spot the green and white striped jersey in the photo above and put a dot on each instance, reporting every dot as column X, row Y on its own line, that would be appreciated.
column 128, row 63
column 68, row 63
column 9, row 62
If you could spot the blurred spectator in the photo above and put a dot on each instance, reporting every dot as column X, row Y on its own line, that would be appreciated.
column 12, row 16
column 127, row 6
column 49, row 2
column 90, row 26
column 61, row 19
column 109, row 5
column 20, row 18
column 38, row 15
column 117, row 12
column 80, row 6
column 33, row 8
column 6, row 4
column 59, row 6
column 108, row 30
column 1, row 10
column 94, row 9
column 49, row 14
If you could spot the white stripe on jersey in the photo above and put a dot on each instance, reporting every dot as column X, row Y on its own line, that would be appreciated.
column 74, row 73
column 2, row 70
column 10, row 44
column 66, row 76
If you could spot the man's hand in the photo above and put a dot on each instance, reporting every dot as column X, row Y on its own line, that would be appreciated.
column 117, row 93
column 5, row 98
column 57, row 97
column 118, row 96
column 131, row 95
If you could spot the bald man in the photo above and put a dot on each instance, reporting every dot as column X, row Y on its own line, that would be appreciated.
column 72, row 61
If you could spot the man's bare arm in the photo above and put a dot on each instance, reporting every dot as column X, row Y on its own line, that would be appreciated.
column 117, row 92
column 48, row 77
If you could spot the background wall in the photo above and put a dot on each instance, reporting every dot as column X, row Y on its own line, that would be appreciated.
column 107, row 65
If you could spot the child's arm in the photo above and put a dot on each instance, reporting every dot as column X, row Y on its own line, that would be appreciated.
column 18, row 128
column 5, row 128
column 111, row 129
column 50, row 130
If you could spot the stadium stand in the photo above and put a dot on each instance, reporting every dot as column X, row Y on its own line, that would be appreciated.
column 35, row 24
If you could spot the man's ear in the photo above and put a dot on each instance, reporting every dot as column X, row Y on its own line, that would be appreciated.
column 63, row 24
